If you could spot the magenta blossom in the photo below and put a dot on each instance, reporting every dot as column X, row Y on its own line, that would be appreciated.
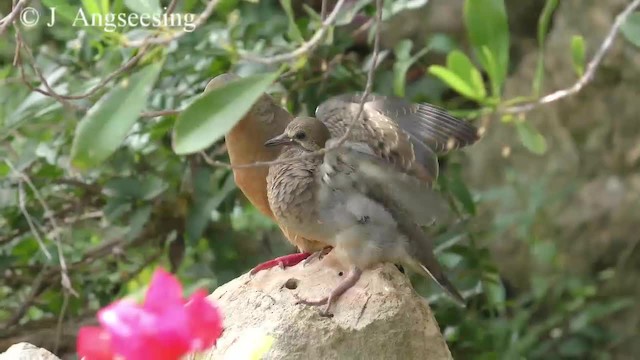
column 164, row 327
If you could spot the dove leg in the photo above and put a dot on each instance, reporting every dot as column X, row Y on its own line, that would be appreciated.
column 351, row 279
column 282, row 261
column 318, row 255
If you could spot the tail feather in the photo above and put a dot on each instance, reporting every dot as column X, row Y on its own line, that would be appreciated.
column 446, row 285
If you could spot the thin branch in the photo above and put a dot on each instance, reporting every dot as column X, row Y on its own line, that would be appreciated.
column 172, row 7
column 32, row 63
column 588, row 75
column 367, row 91
column 303, row 49
column 372, row 69
column 11, row 17
column 59, row 327
column 36, row 288
column 22, row 204
column 208, row 10
column 60, row 97
column 65, row 281
column 132, row 62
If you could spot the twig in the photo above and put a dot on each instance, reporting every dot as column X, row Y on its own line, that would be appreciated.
column 367, row 91
column 48, row 214
column 22, row 204
column 153, row 40
column 303, row 49
column 36, row 288
column 372, row 69
column 43, row 80
column 11, row 17
column 172, row 7
column 60, row 97
column 106, row 80
column 59, row 328
column 588, row 75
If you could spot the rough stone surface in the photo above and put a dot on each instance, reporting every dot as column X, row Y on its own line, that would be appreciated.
column 380, row 318
column 26, row 351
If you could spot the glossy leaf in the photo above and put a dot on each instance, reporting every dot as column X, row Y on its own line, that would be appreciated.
column 460, row 64
column 487, row 26
column 144, row 6
column 63, row 10
column 631, row 28
column 454, row 81
column 215, row 112
column 293, row 32
column 107, row 123
column 531, row 138
column 460, row 190
column 577, row 54
column 403, row 63
column 95, row 7
column 543, row 27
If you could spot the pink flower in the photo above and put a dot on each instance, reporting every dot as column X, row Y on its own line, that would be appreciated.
column 165, row 327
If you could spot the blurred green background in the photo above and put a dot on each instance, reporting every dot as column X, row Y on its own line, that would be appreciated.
column 547, row 247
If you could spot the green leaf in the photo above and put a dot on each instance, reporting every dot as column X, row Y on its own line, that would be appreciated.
column 631, row 29
column 460, row 190
column 95, row 7
column 145, row 188
column 214, row 113
column 144, row 6
column 531, row 138
column 349, row 10
column 488, row 61
column 495, row 292
column 63, row 9
column 293, row 32
column 543, row 27
column 454, row 81
column 107, row 123
column 402, row 51
column 460, row 64
column 577, row 54
column 487, row 26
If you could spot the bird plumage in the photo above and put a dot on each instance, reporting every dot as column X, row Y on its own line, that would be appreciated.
column 370, row 213
column 407, row 136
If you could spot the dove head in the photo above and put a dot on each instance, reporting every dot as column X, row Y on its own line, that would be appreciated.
column 307, row 132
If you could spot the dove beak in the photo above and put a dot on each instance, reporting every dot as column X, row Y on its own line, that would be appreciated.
column 279, row 140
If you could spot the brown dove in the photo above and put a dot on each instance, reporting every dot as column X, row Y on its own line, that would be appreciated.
column 244, row 143
column 368, row 207
column 401, row 132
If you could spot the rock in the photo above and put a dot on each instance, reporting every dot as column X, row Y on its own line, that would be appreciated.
column 26, row 351
column 381, row 317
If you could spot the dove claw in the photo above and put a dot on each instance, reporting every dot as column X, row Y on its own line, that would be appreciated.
column 282, row 262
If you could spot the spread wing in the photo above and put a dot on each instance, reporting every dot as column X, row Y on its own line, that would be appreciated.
column 409, row 201
column 356, row 166
column 405, row 134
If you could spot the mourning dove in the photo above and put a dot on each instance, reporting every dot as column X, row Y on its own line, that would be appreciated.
column 401, row 132
column 245, row 146
column 367, row 205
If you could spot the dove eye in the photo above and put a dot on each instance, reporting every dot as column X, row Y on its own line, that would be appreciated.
column 300, row 136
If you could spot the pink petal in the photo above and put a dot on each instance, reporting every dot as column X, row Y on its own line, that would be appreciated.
column 94, row 343
column 164, row 291
column 140, row 334
column 205, row 321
